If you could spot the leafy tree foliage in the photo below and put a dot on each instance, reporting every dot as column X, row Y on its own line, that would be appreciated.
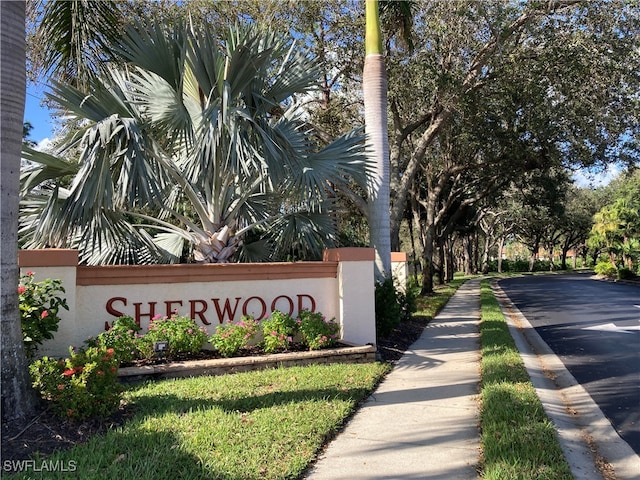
column 616, row 228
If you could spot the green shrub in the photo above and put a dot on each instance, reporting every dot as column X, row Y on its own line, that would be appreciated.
column 278, row 331
column 388, row 308
column 182, row 334
column 82, row 386
column 316, row 331
column 625, row 274
column 122, row 337
column 39, row 306
column 606, row 269
column 408, row 300
column 542, row 266
column 231, row 337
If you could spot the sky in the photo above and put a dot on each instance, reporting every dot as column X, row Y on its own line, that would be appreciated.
column 37, row 115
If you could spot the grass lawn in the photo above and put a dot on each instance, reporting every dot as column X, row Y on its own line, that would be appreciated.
column 518, row 440
column 270, row 424
column 256, row 425
column 429, row 306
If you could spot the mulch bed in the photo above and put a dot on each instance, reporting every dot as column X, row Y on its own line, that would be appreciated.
column 46, row 433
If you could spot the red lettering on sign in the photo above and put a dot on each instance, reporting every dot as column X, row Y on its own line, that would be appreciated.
column 198, row 312
column 169, row 304
column 113, row 311
column 274, row 305
column 226, row 313
column 139, row 314
column 226, row 309
column 301, row 296
column 263, row 305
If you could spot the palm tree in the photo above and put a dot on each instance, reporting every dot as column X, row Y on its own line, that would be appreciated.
column 374, row 87
column 73, row 40
column 201, row 144
column 18, row 399
column 398, row 16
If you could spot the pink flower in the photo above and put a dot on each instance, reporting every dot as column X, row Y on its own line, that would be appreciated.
column 69, row 372
column 100, row 372
column 61, row 387
column 29, row 273
column 156, row 317
column 44, row 314
column 21, row 290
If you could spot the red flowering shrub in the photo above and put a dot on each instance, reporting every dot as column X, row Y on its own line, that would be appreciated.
column 278, row 331
column 123, row 337
column 317, row 332
column 82, row 386
column 39, row 305
column 182, row 334
column 231, row 337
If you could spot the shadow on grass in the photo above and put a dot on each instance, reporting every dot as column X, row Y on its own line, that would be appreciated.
column 124, row 454
column 158, row 404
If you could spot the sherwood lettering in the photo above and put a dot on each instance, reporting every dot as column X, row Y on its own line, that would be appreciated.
column 224, row 310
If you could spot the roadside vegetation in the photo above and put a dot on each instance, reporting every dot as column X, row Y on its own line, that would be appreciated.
column 518, row 440
column 430, row 305
column 255, row 425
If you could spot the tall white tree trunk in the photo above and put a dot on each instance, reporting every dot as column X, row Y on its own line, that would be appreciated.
column 18, row 398
column 374, row 86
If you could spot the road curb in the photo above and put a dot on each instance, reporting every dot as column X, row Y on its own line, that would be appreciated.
column 221, row 366
column 579, row 422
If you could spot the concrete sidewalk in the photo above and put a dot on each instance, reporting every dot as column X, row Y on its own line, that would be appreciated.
column 422, row 420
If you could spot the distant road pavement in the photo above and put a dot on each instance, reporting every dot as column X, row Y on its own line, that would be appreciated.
column 594, row 328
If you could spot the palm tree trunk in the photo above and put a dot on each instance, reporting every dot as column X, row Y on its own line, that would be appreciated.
column 374, row 86
column 18, row 399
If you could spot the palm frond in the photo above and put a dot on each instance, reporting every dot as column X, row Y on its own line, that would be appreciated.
column 79, row 34
column 156, row 48
column 258, row 251
column 303, row 234
column 46, row 167
column 172, row 244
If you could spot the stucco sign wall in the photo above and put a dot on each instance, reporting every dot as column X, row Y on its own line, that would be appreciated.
column 341, row 286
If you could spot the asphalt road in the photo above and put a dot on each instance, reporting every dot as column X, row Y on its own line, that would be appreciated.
column 594, row 328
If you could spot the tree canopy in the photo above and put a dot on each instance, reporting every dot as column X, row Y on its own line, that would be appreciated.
column 483, row 98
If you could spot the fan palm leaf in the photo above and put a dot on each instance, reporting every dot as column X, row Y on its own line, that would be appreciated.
column 208, row 140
